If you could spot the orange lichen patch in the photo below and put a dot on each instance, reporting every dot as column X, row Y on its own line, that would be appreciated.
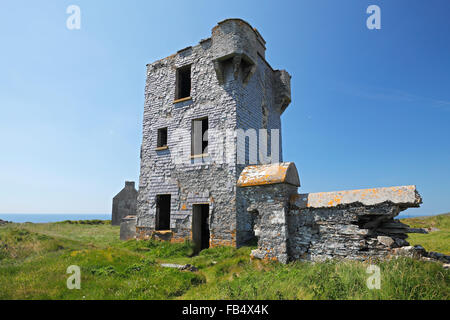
column 178, row 240
column 164, row 235
column 143, row 233
column 146, row 233
column 337, row 199
column 269, row 256
column 220, row 243
column 162, row 232
column 405, row 195
column 257, row 175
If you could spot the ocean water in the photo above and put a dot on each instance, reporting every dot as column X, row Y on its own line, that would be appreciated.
column 44, row 218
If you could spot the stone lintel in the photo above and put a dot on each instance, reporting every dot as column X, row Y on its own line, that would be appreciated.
column 403, row 196
column 266, row 174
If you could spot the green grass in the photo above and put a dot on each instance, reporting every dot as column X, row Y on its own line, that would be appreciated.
column 34, row 259
column 438, row 241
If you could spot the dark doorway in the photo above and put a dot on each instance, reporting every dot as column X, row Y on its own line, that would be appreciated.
column 162, row 212
column 200, row 227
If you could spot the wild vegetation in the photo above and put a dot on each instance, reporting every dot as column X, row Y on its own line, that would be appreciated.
column 34, row 259
column 438, row 238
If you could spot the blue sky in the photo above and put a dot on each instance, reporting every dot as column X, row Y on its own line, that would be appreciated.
column 370, row 108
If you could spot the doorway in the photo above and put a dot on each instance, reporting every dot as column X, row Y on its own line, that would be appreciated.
column 200, row 227
column 162, row 212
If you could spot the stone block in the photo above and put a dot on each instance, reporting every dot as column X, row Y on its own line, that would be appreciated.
column 128, row 228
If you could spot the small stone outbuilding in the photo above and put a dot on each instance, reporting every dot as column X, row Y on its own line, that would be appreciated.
column 124, row 203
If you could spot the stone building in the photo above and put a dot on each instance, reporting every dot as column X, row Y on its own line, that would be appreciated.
column 193, row 99
column 124, row 203
column 128, row 228
column 212, row 168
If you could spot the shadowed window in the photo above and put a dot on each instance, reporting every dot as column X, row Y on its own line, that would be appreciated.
column 199, row 136
column 162, row 138
column 183, row 86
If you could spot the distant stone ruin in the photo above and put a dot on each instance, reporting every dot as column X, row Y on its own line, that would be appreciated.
column 124, row 203
column 3, row 222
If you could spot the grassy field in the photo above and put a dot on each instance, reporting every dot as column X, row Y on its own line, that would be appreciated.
column 34, row 259
column 438, row 239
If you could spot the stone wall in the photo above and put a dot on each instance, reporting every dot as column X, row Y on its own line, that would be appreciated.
column 267, row 190
column 269, row 208
column 128, row 228
column 172, row 171
column 124, row 203
column 354, row 224
column 342, row 232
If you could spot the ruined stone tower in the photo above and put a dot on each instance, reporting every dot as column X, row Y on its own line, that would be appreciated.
column 212, row 113
column 196, row 102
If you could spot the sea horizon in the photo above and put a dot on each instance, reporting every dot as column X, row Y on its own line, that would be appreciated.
column 52, row 217
column 57, row 217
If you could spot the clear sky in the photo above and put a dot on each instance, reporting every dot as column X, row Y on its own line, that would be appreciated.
column 370, row 108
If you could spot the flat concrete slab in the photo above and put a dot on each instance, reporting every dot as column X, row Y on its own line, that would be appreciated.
column 403, row 195
column 258, row 175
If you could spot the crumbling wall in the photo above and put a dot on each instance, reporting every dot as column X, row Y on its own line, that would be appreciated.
column 267, row 190
column 352, row 231
column 353, row 224
column 269, row 208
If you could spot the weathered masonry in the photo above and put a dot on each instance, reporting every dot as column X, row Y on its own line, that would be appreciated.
column 124, row 203
column 194, row 186
column 354, row 224
column 220, row 85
